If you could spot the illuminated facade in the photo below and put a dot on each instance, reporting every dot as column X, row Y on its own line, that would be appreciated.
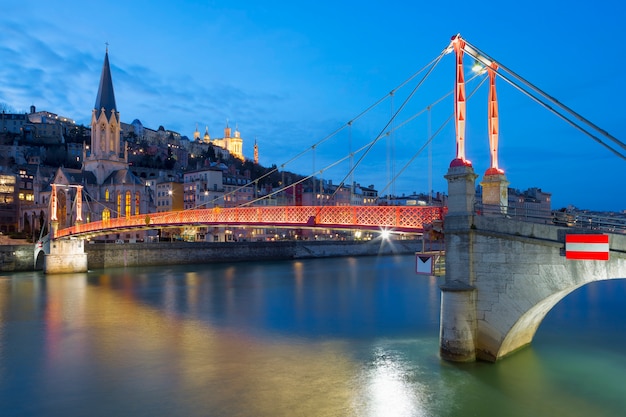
column 169, row 196
column 8, row 203
column 233, row 144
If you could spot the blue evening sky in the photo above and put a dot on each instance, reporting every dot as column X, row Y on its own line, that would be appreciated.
column 289, row 73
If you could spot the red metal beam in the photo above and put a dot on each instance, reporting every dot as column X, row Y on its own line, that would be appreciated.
column 399, row 218
column 494, row 129
column 459, row 104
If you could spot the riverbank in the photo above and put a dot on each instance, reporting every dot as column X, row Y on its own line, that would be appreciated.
column 14, row 258
column 185, row 253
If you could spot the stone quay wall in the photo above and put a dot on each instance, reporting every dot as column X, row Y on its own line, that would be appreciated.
column 16, row 258
column 102, row 256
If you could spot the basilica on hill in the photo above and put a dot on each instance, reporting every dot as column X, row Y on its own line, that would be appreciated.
column 233, row 144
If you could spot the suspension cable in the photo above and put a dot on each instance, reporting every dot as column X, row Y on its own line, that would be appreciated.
column 430, row 139
column 564, row 117
column 481, row 56
column 329, row 136
column 435, row 62
column 319, row 171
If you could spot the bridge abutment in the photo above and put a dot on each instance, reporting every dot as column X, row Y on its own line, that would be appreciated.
column 66, row 256
column 504, row 275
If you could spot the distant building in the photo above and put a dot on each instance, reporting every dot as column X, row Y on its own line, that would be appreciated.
column 324, row 193
column 8, row 203
column 204, row 188
column 169, row 196
column 233, row 144
column 42, row 126
column 532, row 202
column 236, row 188
column 13, row 123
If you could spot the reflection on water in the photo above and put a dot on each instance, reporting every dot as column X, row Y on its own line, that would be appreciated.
column 331, row 337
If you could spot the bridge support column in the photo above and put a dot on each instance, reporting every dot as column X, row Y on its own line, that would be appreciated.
column 54, row 226
column 458, row 325
column 495, row 193
column 458, row 328
column 65, row 257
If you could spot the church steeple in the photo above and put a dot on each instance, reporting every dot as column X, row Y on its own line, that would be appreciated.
column 106, row 95
column 106, row 153
column 196, row 134
column 256, row 152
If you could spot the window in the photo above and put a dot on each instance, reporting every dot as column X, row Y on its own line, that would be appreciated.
column 137, row 203
column 127, row 212
column 106, row 195
column 106, row 215
column 119, row 204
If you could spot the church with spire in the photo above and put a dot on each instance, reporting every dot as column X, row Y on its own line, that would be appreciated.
column 104, row 187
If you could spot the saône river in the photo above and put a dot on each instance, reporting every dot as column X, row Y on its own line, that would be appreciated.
column 322, row 337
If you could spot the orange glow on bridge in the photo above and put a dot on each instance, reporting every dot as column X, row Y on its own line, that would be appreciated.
column 411, row 219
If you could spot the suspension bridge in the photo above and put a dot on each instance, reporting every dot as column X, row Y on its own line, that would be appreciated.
column 503, row 273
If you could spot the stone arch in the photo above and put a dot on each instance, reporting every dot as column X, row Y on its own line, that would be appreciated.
column 503, row 277
column 523, row 331
column 40, row 256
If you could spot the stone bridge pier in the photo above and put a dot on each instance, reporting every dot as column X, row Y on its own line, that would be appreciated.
column 503, row 276
column 66, row 256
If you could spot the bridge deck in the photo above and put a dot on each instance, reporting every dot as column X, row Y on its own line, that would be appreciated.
column 397, row 218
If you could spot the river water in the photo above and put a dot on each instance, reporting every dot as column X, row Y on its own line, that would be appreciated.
column 323, row 337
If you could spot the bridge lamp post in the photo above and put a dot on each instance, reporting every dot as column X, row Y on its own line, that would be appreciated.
column 478, row 67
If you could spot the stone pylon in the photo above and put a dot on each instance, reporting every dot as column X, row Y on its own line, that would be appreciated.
column 458, row 326
column 495, row 193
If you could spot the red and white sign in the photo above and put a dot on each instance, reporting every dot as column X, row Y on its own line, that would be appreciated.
column 587, row 247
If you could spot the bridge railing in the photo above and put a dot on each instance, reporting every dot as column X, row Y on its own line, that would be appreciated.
column 518, row 213
column 400, row 218
column 611, row 224
column 578, row 220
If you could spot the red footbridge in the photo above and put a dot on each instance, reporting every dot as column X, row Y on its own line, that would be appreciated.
column 401, row 219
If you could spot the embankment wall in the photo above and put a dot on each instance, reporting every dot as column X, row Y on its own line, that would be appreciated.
column 14, row 258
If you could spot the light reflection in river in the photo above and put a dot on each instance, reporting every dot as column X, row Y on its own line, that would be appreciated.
column 389, row 388
column 338, row 337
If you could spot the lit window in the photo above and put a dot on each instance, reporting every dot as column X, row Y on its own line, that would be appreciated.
column 106, row 215
column 127, row 212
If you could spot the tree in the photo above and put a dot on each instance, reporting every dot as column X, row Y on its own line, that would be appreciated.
column 4, row 107
column 78, row 134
